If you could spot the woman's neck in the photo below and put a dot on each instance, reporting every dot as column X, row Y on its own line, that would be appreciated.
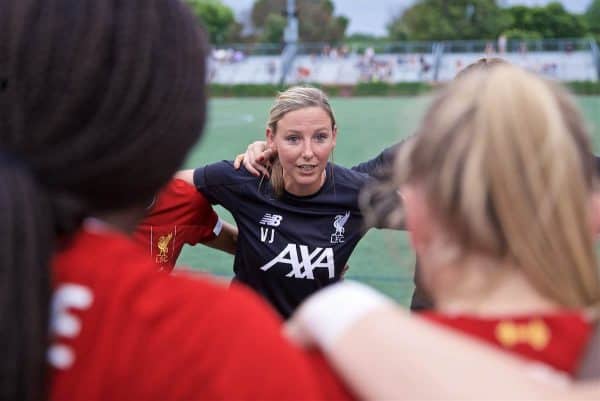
column 125, row 220
column 490, row 289
column 304, row 190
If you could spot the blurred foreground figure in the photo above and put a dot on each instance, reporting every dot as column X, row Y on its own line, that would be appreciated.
column 100, row 102
column 500, row 199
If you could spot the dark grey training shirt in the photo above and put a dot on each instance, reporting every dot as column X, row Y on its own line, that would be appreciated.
column 288, row 247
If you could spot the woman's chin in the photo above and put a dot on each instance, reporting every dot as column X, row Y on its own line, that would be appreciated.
column 305, row 185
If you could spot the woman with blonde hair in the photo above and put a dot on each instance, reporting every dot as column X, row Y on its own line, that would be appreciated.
column 258, row 155
column 500, row 199
column 297, row 230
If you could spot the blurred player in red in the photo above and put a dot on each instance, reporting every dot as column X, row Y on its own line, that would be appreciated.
column 181, row 215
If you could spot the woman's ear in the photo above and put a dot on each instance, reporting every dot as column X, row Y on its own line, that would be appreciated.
column 595, row 213
column 418, row 219
column 270, row 136
column 334, row 134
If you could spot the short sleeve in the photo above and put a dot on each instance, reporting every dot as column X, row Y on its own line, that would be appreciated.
column 204, row 224
column 221, row 183
column 381, row 165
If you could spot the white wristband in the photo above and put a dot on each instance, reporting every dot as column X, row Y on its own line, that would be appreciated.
column 218, row 227
column 325, row 316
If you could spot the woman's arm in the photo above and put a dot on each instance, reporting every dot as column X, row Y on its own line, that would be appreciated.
column 381, row 165
column 257, row 157
column 417, row 360
column 383, row 352
column 226, row 240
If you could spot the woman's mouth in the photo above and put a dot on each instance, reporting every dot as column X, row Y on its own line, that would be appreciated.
column 307, row 168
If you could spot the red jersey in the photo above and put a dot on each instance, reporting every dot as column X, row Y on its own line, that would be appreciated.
column 123, row 332
column 558, row 340
column 180, row 215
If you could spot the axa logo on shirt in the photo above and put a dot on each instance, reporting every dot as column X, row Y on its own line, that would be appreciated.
column 273, row 220
column 304, row 263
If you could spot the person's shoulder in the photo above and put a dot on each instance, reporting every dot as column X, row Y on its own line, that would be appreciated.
column 97, row 257
column 114, row 269
column 177, row 193
column 180, row 187
column 222, row 173
column 349, row 178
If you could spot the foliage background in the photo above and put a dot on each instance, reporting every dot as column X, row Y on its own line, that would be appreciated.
column 424, row 20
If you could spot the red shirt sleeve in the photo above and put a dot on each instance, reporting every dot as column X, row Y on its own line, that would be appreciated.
column 158, row 337
column 180, row 215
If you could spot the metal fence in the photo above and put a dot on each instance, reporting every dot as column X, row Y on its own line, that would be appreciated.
column 566, row 59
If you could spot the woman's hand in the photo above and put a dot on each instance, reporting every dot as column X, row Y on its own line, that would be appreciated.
column 256, row 160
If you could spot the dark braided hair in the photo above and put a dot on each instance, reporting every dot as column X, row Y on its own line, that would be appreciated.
column 99, row 103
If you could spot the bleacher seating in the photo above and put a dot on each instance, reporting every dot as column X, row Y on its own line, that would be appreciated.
column 250, row 70
column 566, row 63
column 572, row 66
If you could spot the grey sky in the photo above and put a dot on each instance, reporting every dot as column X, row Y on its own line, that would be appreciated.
column 371, row 16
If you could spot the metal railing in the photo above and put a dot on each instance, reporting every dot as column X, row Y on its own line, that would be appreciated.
column 287, row 60
column 253, row 49
column 517, row 45
column 596, row 56
column 433, row 50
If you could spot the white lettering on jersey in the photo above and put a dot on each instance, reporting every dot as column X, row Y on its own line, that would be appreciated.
column 273, row 220
column 304, row 267
column 64, row 324
column 264, row 234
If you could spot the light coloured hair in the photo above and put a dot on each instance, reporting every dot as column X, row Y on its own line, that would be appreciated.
column 292, row 99
column 507, row 168
column 483, row 63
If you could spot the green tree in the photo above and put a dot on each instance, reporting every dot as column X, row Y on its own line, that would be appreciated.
column 316, row 20
column 519, row 34
column 218, row 20
column 550, row 21
column 273, row 29
column 592, row 16
column 449, row 19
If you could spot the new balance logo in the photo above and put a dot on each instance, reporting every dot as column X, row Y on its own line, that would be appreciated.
column 303, row 267
column 273, row 220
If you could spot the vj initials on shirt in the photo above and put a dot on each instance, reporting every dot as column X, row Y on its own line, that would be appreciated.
column 272, row 220
column 264, row 235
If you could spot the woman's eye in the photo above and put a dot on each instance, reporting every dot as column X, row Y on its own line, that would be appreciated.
column 292, row 139
column 321, row 137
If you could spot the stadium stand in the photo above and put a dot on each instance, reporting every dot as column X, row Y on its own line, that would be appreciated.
column 561, row 59
column 245, row 64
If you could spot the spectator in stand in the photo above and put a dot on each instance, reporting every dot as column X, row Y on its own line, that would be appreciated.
column 424, row 67
column 523, row 48
column 369, row 55
column 502, row 44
